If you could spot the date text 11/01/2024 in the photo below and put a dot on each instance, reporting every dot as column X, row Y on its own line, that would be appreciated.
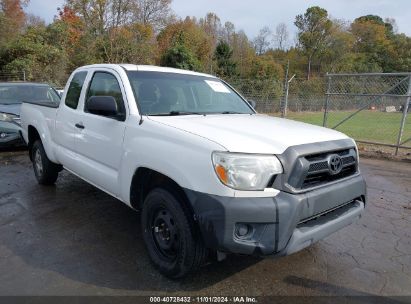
column 202, row 299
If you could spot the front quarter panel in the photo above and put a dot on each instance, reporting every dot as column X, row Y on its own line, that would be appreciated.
column 182, row 156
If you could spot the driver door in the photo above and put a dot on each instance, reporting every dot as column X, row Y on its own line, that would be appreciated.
column 99, row 140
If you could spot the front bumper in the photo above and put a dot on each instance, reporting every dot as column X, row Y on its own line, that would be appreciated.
column 278, row 225
column 10, row 135
column 11, row 140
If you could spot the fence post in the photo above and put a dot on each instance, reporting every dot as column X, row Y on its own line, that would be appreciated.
column 285, row 101
column 24, row 75
column 286, row 95
column 404, row 115
column 284, row 114
column 327, row 96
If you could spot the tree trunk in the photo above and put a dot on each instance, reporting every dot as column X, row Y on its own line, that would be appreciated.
column 309, row 68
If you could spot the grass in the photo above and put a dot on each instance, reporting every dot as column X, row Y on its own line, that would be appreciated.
column 366, row 125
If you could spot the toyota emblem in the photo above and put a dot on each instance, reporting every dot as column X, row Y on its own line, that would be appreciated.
column 334, row 164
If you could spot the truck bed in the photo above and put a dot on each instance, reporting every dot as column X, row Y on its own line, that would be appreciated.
column 42, row 115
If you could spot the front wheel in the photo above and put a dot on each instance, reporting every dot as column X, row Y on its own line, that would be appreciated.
column 169, row 231
column 46, row 171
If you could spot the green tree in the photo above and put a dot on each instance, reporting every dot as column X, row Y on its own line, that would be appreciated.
column 37, row 55
column 69, row 33
column 264, row 67
column 402, row 49
column 190, row 35
column 375, row 19
column 223, row 54
column 180, row 57
column 337, row 57
column 373, row 43
column 133, row 43
column 243, row 52
column 314, row 30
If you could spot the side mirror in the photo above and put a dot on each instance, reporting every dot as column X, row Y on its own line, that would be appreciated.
column 252, row 103
column 102, row 105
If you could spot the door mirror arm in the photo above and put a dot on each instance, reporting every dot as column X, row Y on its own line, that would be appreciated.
column 252, row 103
column 104, row 106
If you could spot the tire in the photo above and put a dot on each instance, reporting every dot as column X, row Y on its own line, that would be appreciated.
column 46, row 171
column 172, row 239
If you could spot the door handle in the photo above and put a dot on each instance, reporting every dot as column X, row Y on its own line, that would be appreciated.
column 79, row 125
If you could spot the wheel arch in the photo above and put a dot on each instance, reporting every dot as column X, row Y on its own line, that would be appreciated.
column 146, row 179
column 33, row 135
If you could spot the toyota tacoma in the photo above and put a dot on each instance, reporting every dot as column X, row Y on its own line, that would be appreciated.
column 208, row 173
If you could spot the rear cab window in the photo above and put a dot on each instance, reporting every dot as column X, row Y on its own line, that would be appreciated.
column 74, row 90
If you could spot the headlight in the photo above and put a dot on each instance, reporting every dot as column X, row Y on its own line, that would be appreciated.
column 245, row 171
column 10, row 118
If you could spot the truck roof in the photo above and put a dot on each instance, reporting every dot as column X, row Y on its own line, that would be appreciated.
column 149, row 68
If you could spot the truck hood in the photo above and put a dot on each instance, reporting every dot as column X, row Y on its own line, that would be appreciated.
column 251, row 133
column 10, row 108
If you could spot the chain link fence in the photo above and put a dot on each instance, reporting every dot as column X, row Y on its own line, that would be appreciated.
column 19, row 76
column 12, row 76
column 371, row 108
column 306, row 95
column 271, row 98
column 266, row 93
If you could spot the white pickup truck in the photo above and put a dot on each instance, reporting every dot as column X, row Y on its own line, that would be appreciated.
column 208, row 173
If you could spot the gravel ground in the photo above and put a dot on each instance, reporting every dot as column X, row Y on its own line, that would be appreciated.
column 72, row 239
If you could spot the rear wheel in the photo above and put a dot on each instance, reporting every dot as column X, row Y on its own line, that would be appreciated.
column 46, row 171
column 169, row 231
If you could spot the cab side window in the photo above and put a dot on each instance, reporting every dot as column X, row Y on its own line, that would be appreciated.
column 74, row 90
column 106, row 84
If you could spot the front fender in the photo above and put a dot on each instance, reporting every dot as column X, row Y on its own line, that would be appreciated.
column 181, row 156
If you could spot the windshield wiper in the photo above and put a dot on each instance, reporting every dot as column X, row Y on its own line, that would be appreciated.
column 231, row 112
column 177, row 113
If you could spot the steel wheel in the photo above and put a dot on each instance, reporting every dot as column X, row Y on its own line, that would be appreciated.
column 46, row 172
column 38, row 162
column 173, row 242
column 165, row 233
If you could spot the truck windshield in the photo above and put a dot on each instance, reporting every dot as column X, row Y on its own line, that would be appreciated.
column 16, row 93
column 159, row 93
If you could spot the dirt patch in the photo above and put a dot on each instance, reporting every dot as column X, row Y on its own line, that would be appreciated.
column 383, row 152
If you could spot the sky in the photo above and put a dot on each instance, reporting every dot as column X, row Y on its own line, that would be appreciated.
column 251, row 16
